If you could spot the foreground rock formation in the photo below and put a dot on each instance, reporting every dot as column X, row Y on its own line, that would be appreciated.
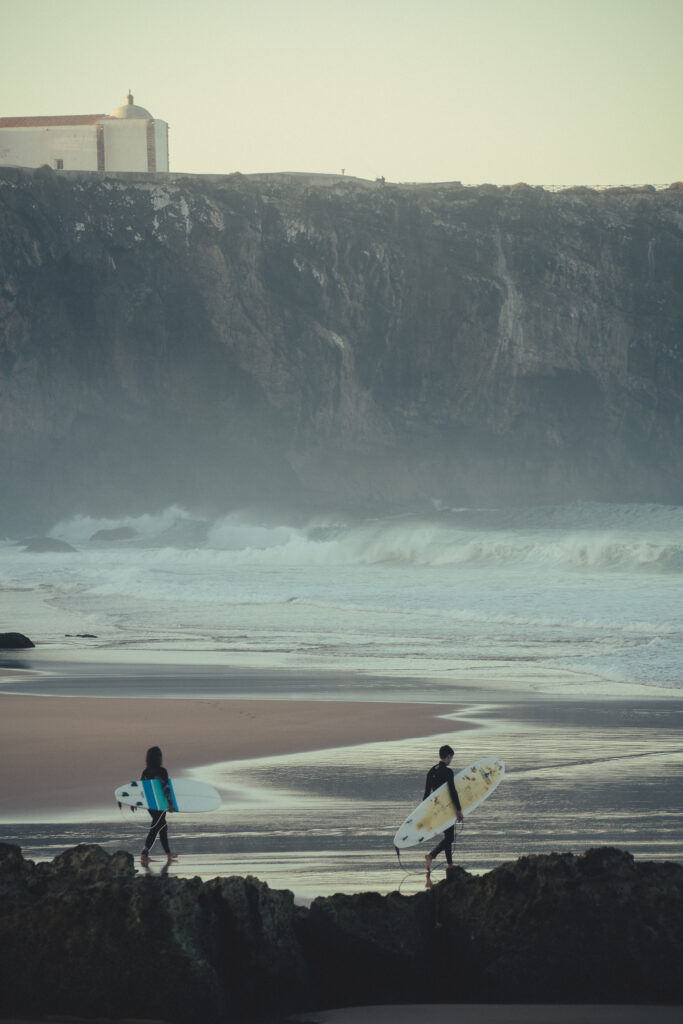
column 85, row 936
column 327, row 342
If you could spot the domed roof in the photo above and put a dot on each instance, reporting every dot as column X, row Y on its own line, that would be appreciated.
column 131, row 111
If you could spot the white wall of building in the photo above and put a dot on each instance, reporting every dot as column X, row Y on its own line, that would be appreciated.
column 129, row 139
column 125, row 145
column 75, row 145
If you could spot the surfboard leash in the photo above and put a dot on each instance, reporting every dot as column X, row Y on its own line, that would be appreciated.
column 407, row 875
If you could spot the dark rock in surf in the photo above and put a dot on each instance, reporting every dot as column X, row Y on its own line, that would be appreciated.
column 116, row 533
column 14, row 641
column 76, row 936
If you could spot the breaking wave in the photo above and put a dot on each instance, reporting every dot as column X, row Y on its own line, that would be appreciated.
column 561, row 593
column 585, row 537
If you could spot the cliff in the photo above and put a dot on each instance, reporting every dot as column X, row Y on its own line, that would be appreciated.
column 312, row 342
column 85, row 936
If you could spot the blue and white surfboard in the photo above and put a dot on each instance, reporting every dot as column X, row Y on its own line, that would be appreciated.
column 187, row 795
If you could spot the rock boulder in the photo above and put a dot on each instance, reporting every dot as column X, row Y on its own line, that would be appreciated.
column 86, row 936
column 14, row 641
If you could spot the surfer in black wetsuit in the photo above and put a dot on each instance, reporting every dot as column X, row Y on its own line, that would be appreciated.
column 436, row 776
column 155, row 770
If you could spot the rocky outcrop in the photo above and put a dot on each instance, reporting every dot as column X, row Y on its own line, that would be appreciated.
column 329, row 342
column 14, row 641
column 84, row 935
column 39, row 545
column 117, row 533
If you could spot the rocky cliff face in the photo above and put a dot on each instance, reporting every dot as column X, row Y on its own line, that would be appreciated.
column 330, row 342
column 85, row 936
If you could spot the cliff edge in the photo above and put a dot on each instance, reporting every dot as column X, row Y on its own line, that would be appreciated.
column 294, row 341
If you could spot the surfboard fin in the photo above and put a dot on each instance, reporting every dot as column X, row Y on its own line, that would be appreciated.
column 398, row 854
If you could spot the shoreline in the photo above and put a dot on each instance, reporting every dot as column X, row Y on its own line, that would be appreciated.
column 343, row 774
column 70, row 752
column 53, row 664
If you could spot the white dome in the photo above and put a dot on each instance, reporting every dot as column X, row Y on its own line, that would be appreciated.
column 129, row 110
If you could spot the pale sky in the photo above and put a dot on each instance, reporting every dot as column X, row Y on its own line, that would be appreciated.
column 551, row 93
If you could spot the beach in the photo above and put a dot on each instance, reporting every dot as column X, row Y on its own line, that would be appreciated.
column 311, row 675
column 64, row 752
column 314, row 786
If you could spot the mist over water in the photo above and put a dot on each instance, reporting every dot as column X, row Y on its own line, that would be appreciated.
column 567, row 599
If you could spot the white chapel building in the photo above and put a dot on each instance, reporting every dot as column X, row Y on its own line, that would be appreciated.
column 128, row 139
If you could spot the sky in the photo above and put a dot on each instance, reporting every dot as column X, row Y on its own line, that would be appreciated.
column 501, row 91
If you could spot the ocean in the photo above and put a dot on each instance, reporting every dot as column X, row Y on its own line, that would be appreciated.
column 577, row 599
column 558, row 627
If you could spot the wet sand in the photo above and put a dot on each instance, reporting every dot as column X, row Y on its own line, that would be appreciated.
column 68, row 752
column 313, row 788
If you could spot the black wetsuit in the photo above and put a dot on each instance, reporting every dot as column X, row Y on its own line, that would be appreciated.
column 436, row 776
column 158, row 829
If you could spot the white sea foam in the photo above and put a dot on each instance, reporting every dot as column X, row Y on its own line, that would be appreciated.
column 587, row 592
column 81, row 529
column 628, row 537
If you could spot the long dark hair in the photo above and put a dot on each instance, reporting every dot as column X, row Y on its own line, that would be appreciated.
column 153, row 758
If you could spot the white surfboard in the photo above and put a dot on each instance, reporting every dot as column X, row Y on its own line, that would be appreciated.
column 437, row 812
column 188, row 795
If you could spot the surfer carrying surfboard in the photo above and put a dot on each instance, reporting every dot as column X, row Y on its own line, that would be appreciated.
column 436, row 776
column 154, row 769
